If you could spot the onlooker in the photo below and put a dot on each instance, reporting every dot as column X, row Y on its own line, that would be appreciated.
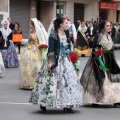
column 17, row 30
column 90, row 33
column 77, row 24
column 11, row 25
column 112, row 33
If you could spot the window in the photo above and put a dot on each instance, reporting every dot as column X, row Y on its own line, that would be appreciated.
column 60, row 9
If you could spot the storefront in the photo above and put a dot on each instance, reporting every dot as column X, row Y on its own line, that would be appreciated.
column 118, row 13
column 20, row 12
column 74, row 9
column 79, row 9
column 46, row 10
column 108, row 11
column 23, row 11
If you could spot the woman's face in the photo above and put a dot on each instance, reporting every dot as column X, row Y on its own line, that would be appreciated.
column 83, row 24
column 16, row 25
column 64, row 25
column 107, row 27
column 91, row 24
column 31, row 26
column 5, row 25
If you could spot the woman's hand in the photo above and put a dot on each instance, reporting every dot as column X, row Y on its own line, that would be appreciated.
column 31, row 41
column 5, row 39
column 16, row 28
column 49, row 65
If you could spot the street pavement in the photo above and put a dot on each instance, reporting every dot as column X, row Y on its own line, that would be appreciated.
column 14, row 103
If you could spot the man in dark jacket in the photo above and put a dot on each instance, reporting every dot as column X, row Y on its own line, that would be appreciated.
column 90, row 33
column 11, row 26
column 113, row 31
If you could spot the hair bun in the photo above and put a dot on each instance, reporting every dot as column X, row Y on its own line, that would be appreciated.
column 58, row 21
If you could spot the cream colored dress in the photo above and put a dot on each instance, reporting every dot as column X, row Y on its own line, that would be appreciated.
column 30, row 64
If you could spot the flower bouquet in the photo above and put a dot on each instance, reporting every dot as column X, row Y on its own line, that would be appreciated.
column 99, row 52
column 75, row 60
column 44, row 49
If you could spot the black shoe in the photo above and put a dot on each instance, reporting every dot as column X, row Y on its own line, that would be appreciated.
column 69, row 110
column 117, row 104
column 95, row 105
column 42, row 108
column 83, row 55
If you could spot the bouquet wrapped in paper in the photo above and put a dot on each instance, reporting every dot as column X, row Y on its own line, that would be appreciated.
column 44, row 49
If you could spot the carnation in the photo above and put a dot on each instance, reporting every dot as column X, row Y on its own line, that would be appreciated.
column 73, row 57
column 42, row 46
column 98, row 52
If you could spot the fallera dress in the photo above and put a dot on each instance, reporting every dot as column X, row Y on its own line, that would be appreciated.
column 30, row 63
column 101, row 86
column 59, row 87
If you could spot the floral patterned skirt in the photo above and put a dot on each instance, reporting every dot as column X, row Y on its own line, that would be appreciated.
column 30, row 64
column 2, row 68
column 111, row 90
column 111, row 94
column 58, row 88
column 10, row 57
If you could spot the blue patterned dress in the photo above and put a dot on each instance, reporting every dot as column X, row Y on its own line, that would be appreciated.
column 59, row 88
column 10, row 58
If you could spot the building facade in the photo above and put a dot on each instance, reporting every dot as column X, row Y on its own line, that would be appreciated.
column 108, row 9
column 45, row 10
column 4, row 9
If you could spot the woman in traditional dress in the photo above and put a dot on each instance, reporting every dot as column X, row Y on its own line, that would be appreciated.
column 51, row 27
column 72, row 30
column 31, row 59
column 2, row 68
column 82, row 45
column 57, row 83
column 101, row 76
column 7, row 47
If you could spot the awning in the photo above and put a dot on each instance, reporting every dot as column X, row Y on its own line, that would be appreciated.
column 108, row 5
